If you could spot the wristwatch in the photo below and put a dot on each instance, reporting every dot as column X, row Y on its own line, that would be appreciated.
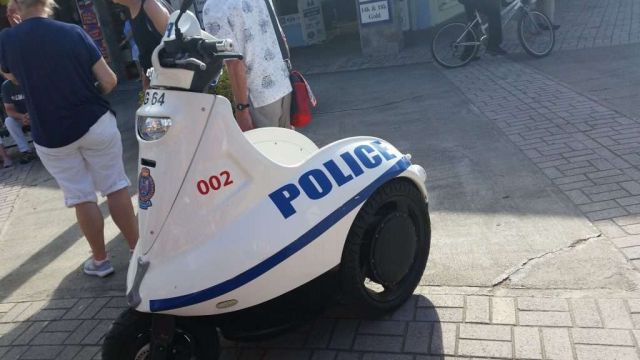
column 242, row 106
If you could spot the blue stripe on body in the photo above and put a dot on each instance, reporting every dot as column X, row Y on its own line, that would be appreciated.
column 277, row 258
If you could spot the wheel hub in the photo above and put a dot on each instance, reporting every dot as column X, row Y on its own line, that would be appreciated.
column 393, row 248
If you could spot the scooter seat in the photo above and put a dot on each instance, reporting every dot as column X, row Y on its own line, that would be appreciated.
column 283, row 146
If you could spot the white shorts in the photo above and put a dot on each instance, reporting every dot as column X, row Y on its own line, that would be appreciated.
column 94, row 162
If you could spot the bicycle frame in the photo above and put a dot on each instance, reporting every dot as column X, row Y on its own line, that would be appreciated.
column 506, row 15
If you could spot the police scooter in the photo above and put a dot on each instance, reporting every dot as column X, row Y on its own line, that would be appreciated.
column 247, row 234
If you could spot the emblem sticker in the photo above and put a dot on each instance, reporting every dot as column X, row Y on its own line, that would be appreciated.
column 146, row 189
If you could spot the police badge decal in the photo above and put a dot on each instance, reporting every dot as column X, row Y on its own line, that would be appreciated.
column 146, row 189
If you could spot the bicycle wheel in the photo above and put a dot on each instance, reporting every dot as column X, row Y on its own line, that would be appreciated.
column 453, row 46
column 536, row 34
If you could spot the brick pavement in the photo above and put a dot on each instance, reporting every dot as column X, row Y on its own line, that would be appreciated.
column 11, row 182
column 590, row 23
column 584, row 24
column 589, row 151
column 428, row 327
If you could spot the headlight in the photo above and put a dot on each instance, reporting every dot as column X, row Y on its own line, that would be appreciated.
column 152, row 128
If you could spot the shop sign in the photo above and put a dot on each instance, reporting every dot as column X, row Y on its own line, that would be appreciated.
column 92, row 26
column 372, row 12
column 312, row 21
column 293, row 19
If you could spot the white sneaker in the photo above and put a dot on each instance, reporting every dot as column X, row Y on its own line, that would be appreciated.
column 90, row 268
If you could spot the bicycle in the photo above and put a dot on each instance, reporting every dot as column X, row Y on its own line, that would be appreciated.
column 450, row 45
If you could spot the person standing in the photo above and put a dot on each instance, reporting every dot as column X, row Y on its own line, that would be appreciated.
column 148, row 23
column 128, row 39
column 260, row 82
column 491, row 8
column 17, row 117
column 62, row 74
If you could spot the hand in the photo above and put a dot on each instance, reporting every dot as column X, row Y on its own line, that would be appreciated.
column 13, row 14
column 26, row 120
column 243, row 117
column 14, row 19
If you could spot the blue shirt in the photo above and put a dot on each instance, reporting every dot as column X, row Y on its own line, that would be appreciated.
column 53, row 63
column 127, row 28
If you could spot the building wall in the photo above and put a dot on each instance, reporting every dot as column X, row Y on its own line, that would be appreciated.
column 443, row 10
column 429, row 13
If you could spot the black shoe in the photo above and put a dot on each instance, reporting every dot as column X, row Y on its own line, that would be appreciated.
column 27, row 157
column 464, row 57
column 497, row 50
column 546, row 27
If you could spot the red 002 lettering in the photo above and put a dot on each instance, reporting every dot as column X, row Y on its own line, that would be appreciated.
column 214, row 183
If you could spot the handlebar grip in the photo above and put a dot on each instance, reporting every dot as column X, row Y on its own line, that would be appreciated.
column 216, row 46
column 229, row 55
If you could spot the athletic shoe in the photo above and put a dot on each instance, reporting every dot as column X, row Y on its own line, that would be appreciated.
column 27, row 157
column 464, row 57
column 90, row 268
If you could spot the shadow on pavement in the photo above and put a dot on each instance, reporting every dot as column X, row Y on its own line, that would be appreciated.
column 342, row 332
column 47, row 207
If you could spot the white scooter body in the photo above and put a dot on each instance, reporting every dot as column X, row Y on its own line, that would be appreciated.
column 229, row 220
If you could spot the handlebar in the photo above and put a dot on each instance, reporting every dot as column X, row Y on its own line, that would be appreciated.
column 216, row 46
column 221, row 48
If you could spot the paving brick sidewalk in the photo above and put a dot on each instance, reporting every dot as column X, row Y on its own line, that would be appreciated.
column 428, row 327
column 11, row 182
column 589, row 151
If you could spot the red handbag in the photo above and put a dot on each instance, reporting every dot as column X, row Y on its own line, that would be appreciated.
column 302, row 99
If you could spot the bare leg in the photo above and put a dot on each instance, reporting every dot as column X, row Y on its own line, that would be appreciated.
column 140, row 71
column 92, row 226
column 122, row 214
column 5, row 157
column 146, row 83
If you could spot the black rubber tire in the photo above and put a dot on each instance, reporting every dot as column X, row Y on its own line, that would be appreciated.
column 523, row 43
column 434, row 55
column 131, row 331
column 351, row 284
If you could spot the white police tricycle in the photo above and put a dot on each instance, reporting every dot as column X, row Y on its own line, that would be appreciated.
column 248, row 234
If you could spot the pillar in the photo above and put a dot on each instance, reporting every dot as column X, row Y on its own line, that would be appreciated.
column 380, row 27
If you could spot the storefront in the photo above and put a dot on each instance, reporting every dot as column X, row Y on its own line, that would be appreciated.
column 308, row 22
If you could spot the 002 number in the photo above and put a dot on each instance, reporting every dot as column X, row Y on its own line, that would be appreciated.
column 156, row 98
column 215, row 183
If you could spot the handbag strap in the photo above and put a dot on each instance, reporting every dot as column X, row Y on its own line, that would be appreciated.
column 284, row 49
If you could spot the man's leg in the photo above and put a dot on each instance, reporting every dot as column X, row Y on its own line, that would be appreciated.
column 285, row 115
column 5, row 158
column 268, row 115
column 92, row 225
column 15, row 129
column 69, row 169
column 121, row 209
column 102, row 150
column 491, row 8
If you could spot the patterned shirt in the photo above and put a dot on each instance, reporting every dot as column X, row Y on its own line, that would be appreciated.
column 248, row 24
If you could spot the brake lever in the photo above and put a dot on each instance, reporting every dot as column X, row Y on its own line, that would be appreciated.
column 192, row 61
column 228, row 55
